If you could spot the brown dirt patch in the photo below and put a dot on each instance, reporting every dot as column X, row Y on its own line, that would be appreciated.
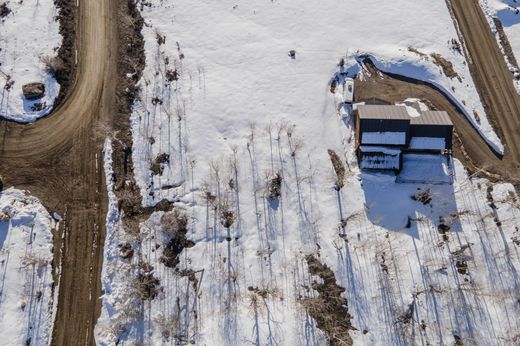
column 328, row 308
column 504, row 42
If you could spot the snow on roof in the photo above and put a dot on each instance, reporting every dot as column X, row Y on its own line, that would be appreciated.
column 384, row 150
column 432, row 118
column 392, row 138
column 383, row 112
column 428, row 143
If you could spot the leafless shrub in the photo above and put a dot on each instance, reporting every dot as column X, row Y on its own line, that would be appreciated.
column 167, row 325
column 4, row 10
column 161, row 39
column 174, row 222
column 264, row 293
column 172, row 75
column 227, row 217
column 156, row 100
column 126, row 251
column 33, row 260
column 146, row 285
column 274, row 186
column 157, row 166
column 55, row 66
column 4, row 217
column 422, row 195
column 339, row 168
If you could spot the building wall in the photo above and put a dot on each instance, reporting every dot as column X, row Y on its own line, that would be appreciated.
column 436, row 131
column 377, row 125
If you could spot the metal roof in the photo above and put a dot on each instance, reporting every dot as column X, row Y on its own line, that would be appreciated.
column 383, row 112
column 432, row 118
column 391, row 112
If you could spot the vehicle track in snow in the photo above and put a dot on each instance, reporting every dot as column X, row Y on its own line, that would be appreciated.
column 59, row 159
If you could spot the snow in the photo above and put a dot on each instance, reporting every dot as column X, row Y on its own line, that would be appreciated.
column 430, row 143
column 393, row 138
column 28, row 34
column 508, row 12
column 376, row 149
column 243, row 111
column 426, row 169
column 26, row 300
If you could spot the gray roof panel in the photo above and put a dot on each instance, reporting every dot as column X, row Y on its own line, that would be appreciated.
column 383, row 112
column 432, row 118
column 391, row 112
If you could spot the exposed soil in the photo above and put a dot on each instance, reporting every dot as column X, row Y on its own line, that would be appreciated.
column 67, row 15
column 329, row 309
column 504, row 42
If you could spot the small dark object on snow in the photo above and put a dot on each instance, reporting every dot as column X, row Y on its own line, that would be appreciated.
column 423, row 196
column 126, row 251
column 292, row 54
column 275, row 186
column 4, row 10
column 172, row 75
column 462, row 266
column 33, row 91
column 38, row 106
column 157, row 167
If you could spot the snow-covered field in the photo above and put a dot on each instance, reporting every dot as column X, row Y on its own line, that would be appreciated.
column 26, row 300
column 225, row 110
column 28, row 34
column 508, row 12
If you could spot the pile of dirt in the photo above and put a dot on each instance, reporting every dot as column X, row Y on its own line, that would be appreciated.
column 33, row 91
column 329, row 309
column 504, row 42
column 447, row 66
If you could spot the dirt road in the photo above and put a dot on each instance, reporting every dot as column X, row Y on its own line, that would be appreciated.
column 496, row 89
column 59, row 160
column 493, row 78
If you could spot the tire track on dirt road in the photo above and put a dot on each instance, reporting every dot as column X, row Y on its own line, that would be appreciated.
column 59, row 160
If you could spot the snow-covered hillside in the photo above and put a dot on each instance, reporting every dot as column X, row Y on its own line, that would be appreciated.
column 508, row 13
column 237, row 133
column 29, row 34
column 26, row 300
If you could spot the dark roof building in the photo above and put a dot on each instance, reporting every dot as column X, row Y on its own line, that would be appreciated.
column 394, row 127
